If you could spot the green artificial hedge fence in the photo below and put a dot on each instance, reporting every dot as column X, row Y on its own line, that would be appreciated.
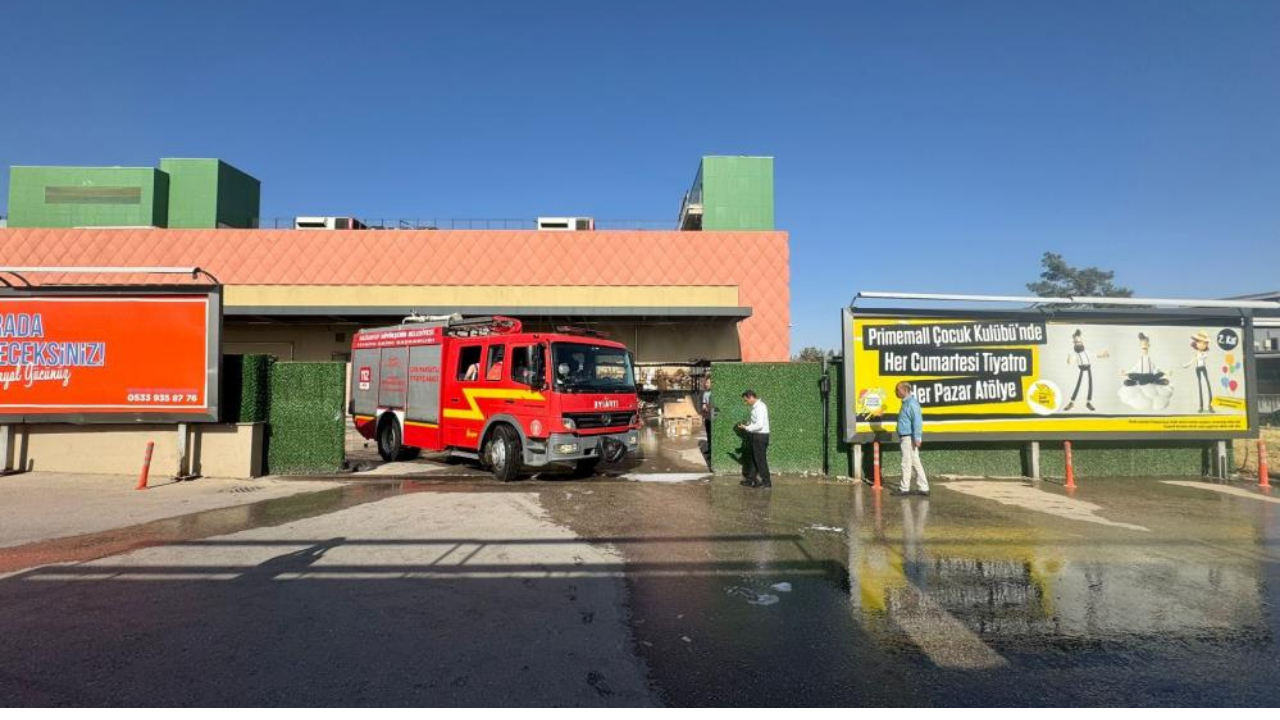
column 792, row 393
column 306, row 419
column 246, row 388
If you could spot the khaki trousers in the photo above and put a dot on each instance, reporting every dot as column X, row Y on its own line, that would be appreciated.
column 910, row 463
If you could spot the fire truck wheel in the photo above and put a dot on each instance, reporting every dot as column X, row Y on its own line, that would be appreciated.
column 586, row 468
column 389, row 445
column 504, row 453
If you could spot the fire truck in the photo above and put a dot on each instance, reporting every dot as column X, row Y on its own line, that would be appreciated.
column 481, row 388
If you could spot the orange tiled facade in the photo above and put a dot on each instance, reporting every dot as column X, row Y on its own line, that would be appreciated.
column 756, row 263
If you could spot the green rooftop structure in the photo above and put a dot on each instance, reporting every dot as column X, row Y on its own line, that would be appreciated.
column 730, row 192
column 208, row 193
column 65, row 197
column 181, row 193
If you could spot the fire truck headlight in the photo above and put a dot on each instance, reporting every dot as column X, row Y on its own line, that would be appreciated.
column 569, row 424
column 632, row 439
column 567, row 448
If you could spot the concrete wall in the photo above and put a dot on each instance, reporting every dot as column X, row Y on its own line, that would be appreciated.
column 289, row 342
column 234, row 451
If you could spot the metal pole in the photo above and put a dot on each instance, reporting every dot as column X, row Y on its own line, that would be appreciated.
column 824, row 385
column 6, row 449
column 857, row 462
column 1035, row 459
column 182, row 451
column 1223, row 473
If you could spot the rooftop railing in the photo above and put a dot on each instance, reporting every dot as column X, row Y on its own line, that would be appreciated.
column 389, row 223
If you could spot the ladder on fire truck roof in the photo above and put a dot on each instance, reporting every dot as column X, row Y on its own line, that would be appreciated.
column 456, row 325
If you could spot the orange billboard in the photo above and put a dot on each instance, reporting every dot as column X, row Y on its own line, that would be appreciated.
column 109, row 357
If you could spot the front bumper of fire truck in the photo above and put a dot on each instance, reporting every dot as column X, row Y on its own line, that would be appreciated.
column 563, row 447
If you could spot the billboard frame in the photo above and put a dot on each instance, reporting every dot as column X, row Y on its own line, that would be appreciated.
column 213, row 354
column 1188, row 316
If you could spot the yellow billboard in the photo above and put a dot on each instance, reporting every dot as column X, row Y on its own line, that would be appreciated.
column 1029, row 375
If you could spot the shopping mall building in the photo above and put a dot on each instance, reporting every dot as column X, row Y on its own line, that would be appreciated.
column 713, row 287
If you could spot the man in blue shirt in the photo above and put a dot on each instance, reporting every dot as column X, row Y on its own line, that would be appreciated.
column 911, row 433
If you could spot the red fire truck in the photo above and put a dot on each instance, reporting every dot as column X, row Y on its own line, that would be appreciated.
column 481, row 388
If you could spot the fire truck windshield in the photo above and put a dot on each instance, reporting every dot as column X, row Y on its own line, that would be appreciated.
column 583, row 368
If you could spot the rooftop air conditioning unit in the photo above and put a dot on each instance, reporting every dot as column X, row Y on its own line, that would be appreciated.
column 566, row 223
column 327, row 223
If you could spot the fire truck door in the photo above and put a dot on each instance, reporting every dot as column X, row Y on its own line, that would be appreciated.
column 461, row 407
column 424, row 384
column 393, row 374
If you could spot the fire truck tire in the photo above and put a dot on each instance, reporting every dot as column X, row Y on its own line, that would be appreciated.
column 390, row 445
column 504, row 453
column 586, row 468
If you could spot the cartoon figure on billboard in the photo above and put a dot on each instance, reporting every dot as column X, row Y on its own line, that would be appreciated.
column 1083, row 360
column 1146, row 387
column 1200, row 358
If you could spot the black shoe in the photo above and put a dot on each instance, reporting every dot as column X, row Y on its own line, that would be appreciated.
column 899, row 493
column 1090, row 406
column 922, row 493
column 747, row 483
column 765, row 485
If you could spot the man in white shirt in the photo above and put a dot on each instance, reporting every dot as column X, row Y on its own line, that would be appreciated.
column 755, row 470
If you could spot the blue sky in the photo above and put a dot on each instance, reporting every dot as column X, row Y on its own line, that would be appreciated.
column 924, row 146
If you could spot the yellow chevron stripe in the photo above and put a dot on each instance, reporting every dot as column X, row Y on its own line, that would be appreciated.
column 474, row 394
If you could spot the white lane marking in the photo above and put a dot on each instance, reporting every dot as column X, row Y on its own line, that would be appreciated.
column 1224, row 489
column 1030, row 498
column 945, row 640
column 665, row 477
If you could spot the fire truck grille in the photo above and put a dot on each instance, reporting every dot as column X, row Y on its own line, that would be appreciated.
column 592, row 421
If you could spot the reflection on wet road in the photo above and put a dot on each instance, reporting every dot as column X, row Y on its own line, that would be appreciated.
column 958, row 598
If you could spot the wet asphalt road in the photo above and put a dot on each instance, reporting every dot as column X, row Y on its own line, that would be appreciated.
column 948, row 600
column 1129, row 592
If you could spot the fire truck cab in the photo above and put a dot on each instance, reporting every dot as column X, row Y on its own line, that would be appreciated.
column 483, row 389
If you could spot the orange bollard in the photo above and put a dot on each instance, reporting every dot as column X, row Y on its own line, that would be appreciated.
column 879, row 526
column 875, row 463
column 1071, row 470
column 1264, row 477
column 146, row 467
